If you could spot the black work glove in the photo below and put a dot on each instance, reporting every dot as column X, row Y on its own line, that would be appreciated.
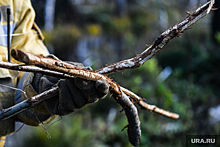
column 73, row 93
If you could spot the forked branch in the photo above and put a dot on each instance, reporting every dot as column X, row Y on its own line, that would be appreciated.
column 66, row 76
column 70, row 70
column 65, row 70
column 160, row 42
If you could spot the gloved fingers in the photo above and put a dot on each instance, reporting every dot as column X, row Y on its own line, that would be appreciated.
column 52, row 105
column 46, row 82
column 78, row 98
column 92, row 90
column 91, row 94
column 83, row 84
column 42, row 82
column 36, row 81
column 88, row 89
column 102, row 88
column 52, row 79
column 61, row 103
column 66, row 104
column 71, row 98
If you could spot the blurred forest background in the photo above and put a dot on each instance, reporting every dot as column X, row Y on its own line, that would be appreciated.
column 183, row 77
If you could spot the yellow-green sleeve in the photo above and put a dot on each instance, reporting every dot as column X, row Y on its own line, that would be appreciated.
column 26, row 36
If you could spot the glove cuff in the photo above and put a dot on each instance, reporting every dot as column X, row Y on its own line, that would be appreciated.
column 30, row 90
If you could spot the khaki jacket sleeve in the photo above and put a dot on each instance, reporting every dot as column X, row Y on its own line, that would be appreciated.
column 2, row 142
column 27, row 37
column 30, row 39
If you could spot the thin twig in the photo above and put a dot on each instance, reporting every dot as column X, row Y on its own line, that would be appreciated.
column 15, row 89
column 27, row 104
column 160, row 42
column 62, row 75
column 57, row 65
column 34, row 69
column 118, row 92
column 149, row 107
column 154, row 48
column 134, row 132
column 72, row 71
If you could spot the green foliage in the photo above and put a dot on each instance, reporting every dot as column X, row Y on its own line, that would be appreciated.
column 116, row 25
column 94, row 29
column 218, row 37
column 62, row 35
column 68, row 134
column 141, row 20
column 62, row 39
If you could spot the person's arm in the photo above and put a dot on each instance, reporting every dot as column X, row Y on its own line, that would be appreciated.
column 72, row 95
column 29, row 38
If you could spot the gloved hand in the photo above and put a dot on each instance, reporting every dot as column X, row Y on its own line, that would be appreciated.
column 73, row 93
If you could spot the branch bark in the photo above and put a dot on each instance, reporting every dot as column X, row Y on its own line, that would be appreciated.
column 136, row 98
column 34, row 69
column 157, row 45
column 27, row 104
column 136, row 61
column 62, row 69
column 73, row 71
column 149, row 107
column 134, row 132
column 60, row 66
column 160, row 42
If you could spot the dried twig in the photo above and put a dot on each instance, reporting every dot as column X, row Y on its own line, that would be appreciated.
column 131, row 111
column 134, row 132
column 147, row 54
column 35, row 69
column 157, row 45
column 71, row 70
column 160, row 42
column 62, row 75
column 57, row 65
column 27, row 104
column 146, row 106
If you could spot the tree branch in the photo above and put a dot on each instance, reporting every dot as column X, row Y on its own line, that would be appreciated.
column 60, row 66
column 27, row 104
column 147, row 54
column 34, row 69
column 66, row 76
column 71, row 70
column 146, row 106
column 62, row 69
column 160, row 42
column 134, row 131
